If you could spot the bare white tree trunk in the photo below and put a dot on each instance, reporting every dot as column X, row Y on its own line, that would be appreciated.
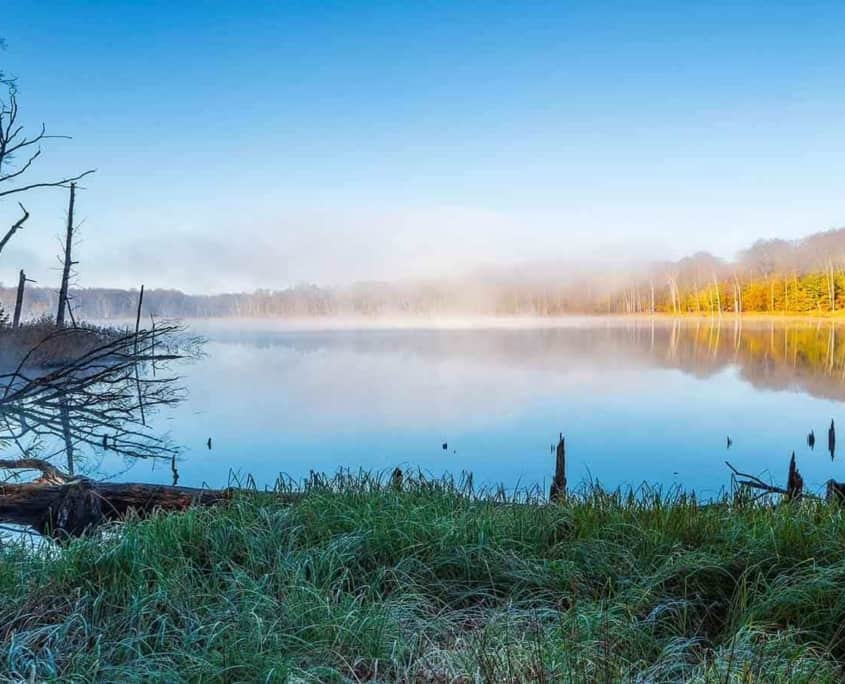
column 68, row 260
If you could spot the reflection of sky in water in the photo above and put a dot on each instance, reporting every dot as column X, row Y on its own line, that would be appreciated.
column 634, row 407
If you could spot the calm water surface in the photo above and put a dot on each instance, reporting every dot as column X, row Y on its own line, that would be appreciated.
column 638, row 401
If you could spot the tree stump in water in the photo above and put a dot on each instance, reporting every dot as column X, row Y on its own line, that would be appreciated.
column 558, row 488
column 794, row 481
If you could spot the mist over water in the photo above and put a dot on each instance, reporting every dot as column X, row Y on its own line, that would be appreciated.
column 638, row 400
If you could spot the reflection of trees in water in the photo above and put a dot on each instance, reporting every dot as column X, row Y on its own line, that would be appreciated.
column 96, row 404
column 809, row 357
column 804, row 356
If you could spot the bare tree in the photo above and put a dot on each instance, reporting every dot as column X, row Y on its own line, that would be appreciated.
column 18, row 154
column 96, row 400
column 22, row 281
column 67, row 262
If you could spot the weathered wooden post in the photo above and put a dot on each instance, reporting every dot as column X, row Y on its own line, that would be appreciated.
column 16, row 321
column 558, row 488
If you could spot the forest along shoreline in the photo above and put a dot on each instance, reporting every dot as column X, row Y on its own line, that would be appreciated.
column 792, row 277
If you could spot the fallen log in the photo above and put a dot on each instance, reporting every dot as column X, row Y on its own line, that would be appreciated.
column 69, row 509
column 60, row 505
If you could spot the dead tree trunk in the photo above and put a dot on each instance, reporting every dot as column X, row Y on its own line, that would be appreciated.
column 794, row 481
column 60, row 506
column 72, row 508
column 138, row 316
column 558, row 488
column 16, row 321
column 67, row 435
column 68, row 260
column 137, row 372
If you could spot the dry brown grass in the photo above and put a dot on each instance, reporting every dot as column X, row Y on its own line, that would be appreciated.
column 41, row 343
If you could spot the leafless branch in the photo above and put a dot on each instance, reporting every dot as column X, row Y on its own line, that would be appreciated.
column 13, row 141
column 64, row 183
column 50, row 474
column 97, row 399
column 15, row 227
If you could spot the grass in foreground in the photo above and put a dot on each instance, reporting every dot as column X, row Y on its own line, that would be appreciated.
column 362, row 583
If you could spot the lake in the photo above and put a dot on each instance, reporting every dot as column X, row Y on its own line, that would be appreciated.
column 637, row 400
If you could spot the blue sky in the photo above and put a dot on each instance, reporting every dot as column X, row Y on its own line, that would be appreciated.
column 243, row 145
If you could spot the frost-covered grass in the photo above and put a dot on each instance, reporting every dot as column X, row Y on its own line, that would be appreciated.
column 361, row 582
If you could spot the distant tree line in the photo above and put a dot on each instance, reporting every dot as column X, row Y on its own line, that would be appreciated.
column 800, row 276
column 379, row 299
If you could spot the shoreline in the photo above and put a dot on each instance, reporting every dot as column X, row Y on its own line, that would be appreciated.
column 362, row 581
column 470, row 322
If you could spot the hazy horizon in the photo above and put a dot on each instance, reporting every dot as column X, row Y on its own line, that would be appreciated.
column 256, row 147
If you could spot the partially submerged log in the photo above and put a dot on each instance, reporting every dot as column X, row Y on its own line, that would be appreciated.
column 59, row 505
column 74, row 507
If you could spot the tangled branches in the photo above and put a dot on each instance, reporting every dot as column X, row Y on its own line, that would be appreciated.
column 101, row 398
